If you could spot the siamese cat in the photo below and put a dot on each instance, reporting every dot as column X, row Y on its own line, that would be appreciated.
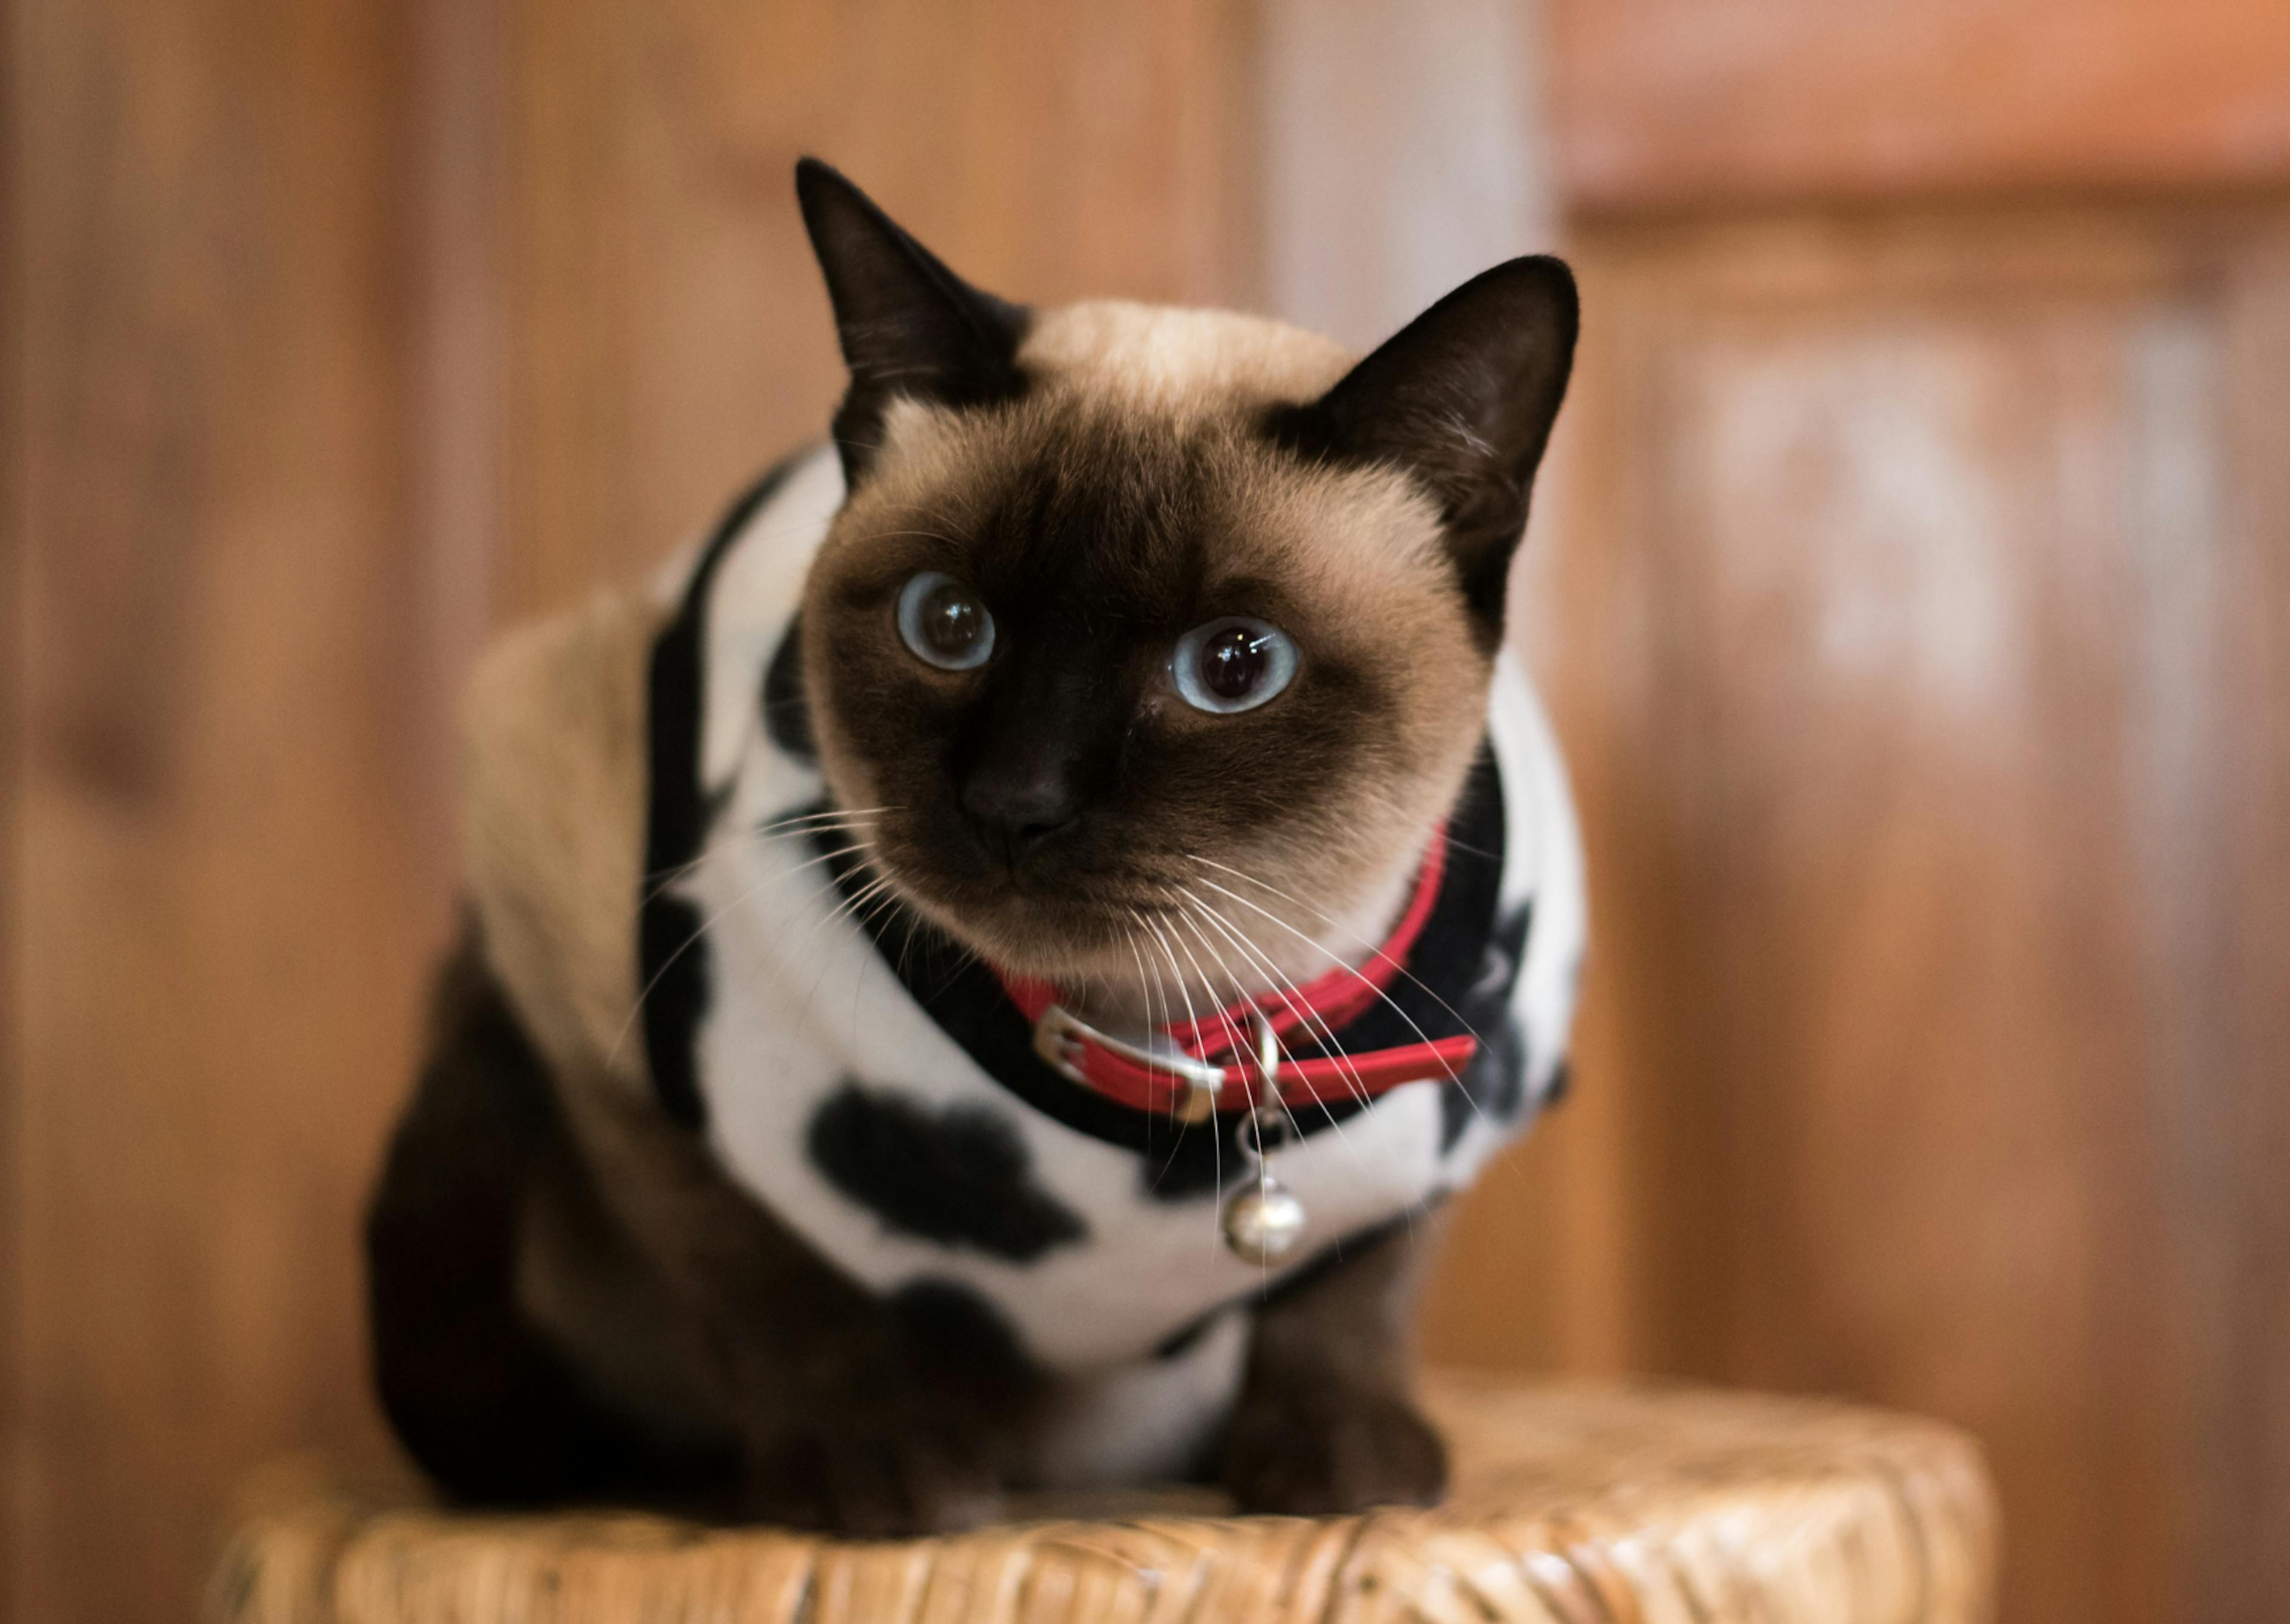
column 977, row 979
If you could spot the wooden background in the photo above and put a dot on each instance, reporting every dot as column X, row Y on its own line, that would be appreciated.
column 1913, row 588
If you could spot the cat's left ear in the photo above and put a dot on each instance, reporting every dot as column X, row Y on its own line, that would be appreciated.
column 908, row 325
column 1464, row 398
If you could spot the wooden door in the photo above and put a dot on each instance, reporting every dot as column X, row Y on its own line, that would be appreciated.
column 1917, row 614
column 343, row 334
column 224, row 875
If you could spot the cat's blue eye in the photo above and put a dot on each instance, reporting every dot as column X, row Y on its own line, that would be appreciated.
column 1232, row 664
column 943, row 623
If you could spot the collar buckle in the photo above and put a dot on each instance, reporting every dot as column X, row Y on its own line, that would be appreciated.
column 1063, row 1040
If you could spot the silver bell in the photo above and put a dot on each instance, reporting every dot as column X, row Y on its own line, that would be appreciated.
column 1263, row 1222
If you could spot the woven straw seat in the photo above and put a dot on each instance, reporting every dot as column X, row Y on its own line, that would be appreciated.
column 1570, row 1505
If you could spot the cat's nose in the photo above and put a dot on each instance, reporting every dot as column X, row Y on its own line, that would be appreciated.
column 1015, row 810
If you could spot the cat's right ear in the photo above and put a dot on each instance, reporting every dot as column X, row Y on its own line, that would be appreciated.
column 1463, row 398
column 908, row 324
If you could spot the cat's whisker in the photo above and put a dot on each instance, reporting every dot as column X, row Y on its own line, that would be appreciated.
column 1149, row 981
column 1308, row 1016
column 666, row 877
column 1249, row 956
column 810, row 862
column 1155, row 988
column 866, row 856
column 1413, row 817
column 658, row 881
column 1184, row 988
column 1148, row 985
column 1209, row 985
column 855, row 847
column 1285, row 1056
column 850, row 905
column 1160, row 1026
column 824, row 920
column 1358, row 1088
column 1215, row 1127
column 1145, row 982
column 1192, row 1017
column 825, row 815
column 1454, row 1077
column 863, row 828
column 1294, row 1127
column 852, row 908
column 1374, row 951
column 826, row 825
column 1304, row 1015
column 905, row 948
column 1353, row 1081
column 863, row 833
column 1216, row 1135
column 1192, row 1020
column 889, row 899
column 965, row 957
column 846, row 908
column 635, row 1009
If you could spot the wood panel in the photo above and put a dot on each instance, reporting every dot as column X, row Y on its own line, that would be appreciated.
column 346, row 332
column 670, row 336
column 1917, row 633
column 1403, row 153
column 220, row 908
column 12, row 619
column 1716, row 103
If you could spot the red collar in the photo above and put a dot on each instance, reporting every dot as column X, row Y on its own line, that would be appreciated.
column 1213, row 1067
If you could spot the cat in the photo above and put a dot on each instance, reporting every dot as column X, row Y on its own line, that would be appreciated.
column 1072, row 836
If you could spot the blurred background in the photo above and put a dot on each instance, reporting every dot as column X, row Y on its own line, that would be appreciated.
column 1911, row 584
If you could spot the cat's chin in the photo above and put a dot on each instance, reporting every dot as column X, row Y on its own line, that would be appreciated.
column 1129, row 962
column 1045, row 937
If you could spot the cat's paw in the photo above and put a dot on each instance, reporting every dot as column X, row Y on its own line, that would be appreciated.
column 869, row 1480
column 1311, row 1453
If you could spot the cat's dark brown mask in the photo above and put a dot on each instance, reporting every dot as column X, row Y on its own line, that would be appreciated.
column 1044, row 505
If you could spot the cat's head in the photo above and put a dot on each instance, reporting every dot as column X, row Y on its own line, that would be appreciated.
column 1135, row 611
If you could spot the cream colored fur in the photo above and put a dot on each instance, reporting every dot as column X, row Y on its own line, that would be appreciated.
column 1175, row 360
column 555, row 805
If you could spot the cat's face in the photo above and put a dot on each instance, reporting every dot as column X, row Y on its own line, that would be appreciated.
column 1142, row 646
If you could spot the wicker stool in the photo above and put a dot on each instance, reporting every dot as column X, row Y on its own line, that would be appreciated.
column 1570, row 1504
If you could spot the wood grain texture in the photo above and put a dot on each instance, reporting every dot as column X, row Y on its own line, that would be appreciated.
column 13, row 404
column 221, row 912
column 1707, row 104
column 349, row 332
column 1917, row 634
column 1403, row 153
column 669, row 334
